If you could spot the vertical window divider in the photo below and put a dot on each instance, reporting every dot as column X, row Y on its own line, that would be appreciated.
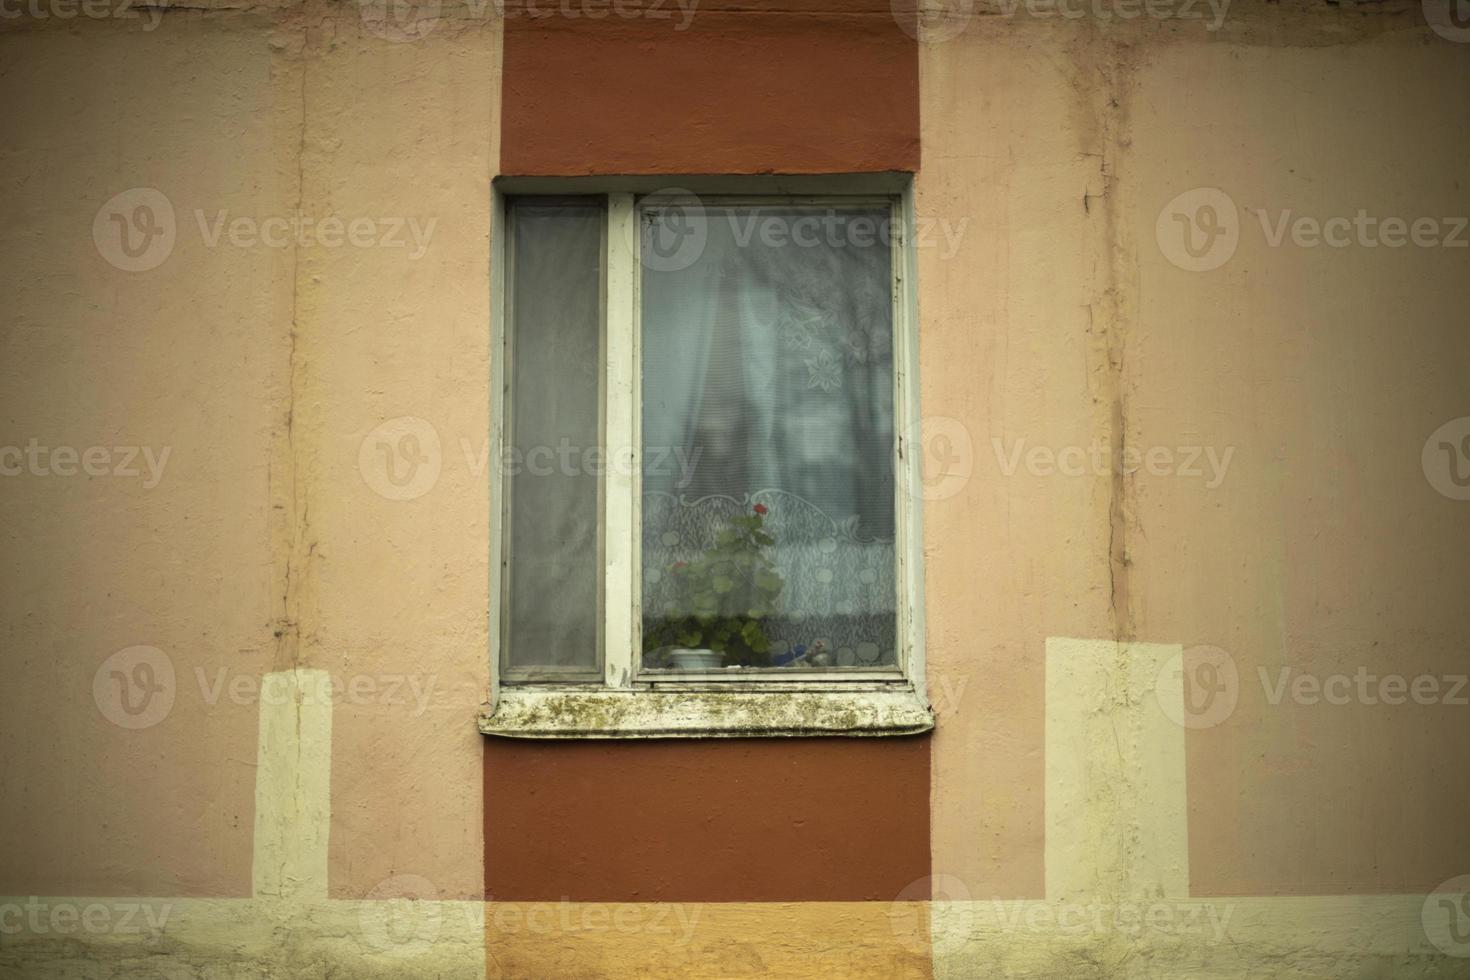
column 908, row 423
column 498, row 404
column 621, row 573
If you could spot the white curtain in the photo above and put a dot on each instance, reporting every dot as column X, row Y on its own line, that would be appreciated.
column 554, row 370
column 768, row 379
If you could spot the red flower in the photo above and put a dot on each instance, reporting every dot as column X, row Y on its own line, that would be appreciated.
column 760, row 509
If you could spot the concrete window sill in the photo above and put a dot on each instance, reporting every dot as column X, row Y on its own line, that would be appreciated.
column 570, row 712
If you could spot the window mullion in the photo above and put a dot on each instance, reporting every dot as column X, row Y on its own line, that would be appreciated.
column 620, row 420
column 908, row 424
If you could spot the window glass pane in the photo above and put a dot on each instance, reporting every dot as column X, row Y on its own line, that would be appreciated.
column 554, row 369
column 768, row 485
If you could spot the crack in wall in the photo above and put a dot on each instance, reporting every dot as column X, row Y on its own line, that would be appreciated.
column 1102, row 68
column 291, row 51
column 296, row 562
column 1102, row 76
column 288, row 629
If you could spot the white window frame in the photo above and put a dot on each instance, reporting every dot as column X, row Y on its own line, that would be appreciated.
column 631, row 702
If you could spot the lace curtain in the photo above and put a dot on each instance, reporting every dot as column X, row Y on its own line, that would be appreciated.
column 768, row 380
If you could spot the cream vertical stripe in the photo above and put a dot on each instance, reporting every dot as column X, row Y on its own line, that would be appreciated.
column 293, row 785
column 1116, row 812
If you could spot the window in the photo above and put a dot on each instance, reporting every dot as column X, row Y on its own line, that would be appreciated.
column 703, row 524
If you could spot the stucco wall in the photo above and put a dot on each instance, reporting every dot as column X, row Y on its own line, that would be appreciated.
column 261, row 362
column 191, row 358
column 397, row 587
column 1326, row 549
column 1060, row 321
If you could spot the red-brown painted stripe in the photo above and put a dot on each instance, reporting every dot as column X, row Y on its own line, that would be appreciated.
column 810, row 86
column 723, row 820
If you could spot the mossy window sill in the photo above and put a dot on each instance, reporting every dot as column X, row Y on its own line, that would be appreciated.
column 569, row 712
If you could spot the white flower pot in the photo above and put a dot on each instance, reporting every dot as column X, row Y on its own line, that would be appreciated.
column 683, row 659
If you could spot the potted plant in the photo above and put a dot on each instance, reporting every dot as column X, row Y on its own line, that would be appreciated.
column 721, row 599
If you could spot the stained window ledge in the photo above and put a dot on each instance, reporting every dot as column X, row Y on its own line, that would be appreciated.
column 571, row 713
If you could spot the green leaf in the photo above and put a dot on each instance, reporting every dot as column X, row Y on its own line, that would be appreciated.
column 769, row 581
